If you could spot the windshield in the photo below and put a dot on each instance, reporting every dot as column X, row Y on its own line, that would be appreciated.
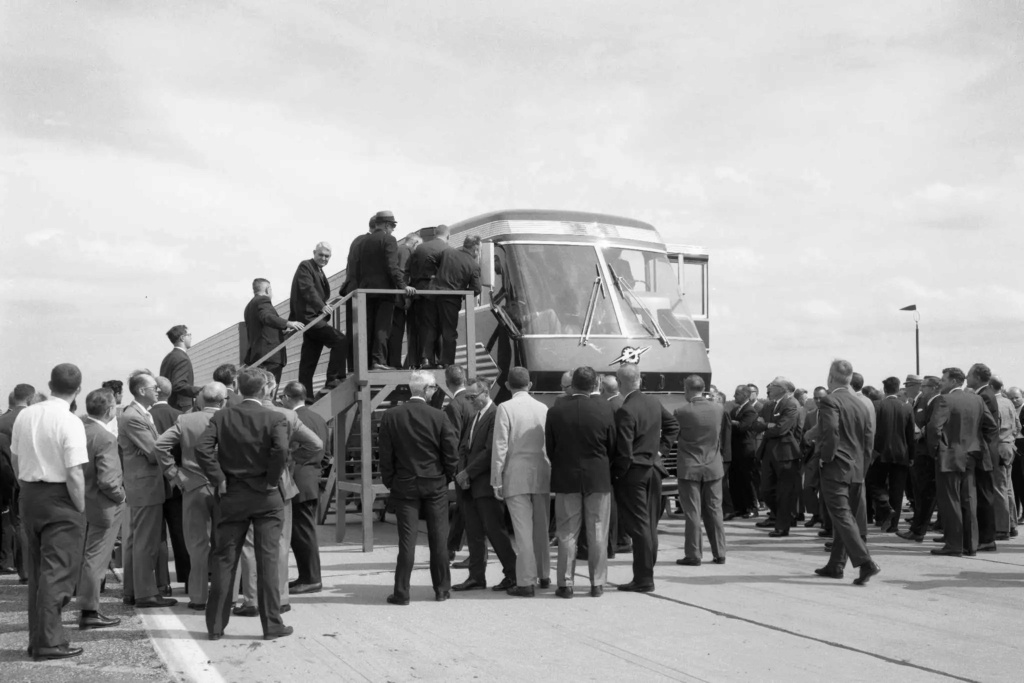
column 653, row 281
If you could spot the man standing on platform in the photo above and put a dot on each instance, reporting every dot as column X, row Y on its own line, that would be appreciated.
column 642, row 427
column 403, row 306
column 422, row 270
column 264, row 328
column 417, row 460
column 243, row 453
column 846, row 438
column 49, row 449
column 521, row 475
column 177, row 367
column 459, row 269
column 309, row 295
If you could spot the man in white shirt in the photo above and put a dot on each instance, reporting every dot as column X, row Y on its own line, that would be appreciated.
column 49, row 451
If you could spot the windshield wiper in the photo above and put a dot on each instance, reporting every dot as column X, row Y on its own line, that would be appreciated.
column 588, row 320
column 639, row 308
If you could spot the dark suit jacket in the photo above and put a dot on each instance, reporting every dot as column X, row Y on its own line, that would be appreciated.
column 460, row 413
column 416, row 442
column 475, row 453
column 378, row 262
column 136, row 437
column 845, row 436
column 702, row 432
column 263, row 327
column 458, row 269
column 643, row 429
column 615, row 402
column 8, row 482
column 960, row 427
column 423, row 264
column 310, row 292
column 352, row 265
column 782, row 442
column 744, row 438
column 990, row 450
column 247, row 442
column 307, row 459
column 579, row 435
column 164, row 416
column 7, row 421
column 177, row 367
column 104, row 481
column 894, row 431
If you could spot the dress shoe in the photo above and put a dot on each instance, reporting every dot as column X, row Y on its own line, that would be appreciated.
column 7, row 570
column 815, row 519
column 867, row 570
column 634, row 587
column 1003, row 537
column 441, row 596
column 545, row 583
column 128, row 600
column 60, row 652
column 1013, row 533
column 461, row 564
column 286, row 631
column 970, row 553
column 395, row 600
column 215, row 636
column 381, row 366
column 197, row 606
column 731, row 515
column 451, row 556
column 304, row 588
column 689, row 562
column 753, row 513
column 470, row 585
column 596, row 591
column 91, row 620
column 987, row 547
column 719, row 560
column 825, row 533
column 505, row 584
column 910, row 536
column 777, row 534
column 293, row 584
column 246, row 611
column 285, row 608
column 889, row 524
column 564, row 592
column 946, row 551
column 166, row 590
column 521, row 591
column 828, row 546
column 765, row 523
column 830, row 572
column 800, row 517
column 939, row 539
column 624, row 548
column 156, row 601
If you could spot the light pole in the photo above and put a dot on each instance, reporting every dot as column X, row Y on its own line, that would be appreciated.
column 917, row 335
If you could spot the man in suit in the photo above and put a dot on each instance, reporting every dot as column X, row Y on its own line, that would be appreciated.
column 744, row 452
column 104, row 504
column 177, row 367
column 924, row 461
column 521, row 476
column 978, row 378
column 1016, row 396
column 11, row 559
column 610, row 391
column 893, row 448
column 243, row 453
column 702, row 433
column 199, row 507
column 580, row 441
column 264, row 329
column 846, row 437
column 378, row 269
column 422, row 270
column 459, row 412
column 1009, row 428
column 642, row 427
column 49, row 451
column 403, row 304
column 144, row 491
column 306, row 461
column 781, row 423
column 484, row 513
column 961, row 427
column 459, row 269
column 309, row 295
column 417, row 460
column 164, row 417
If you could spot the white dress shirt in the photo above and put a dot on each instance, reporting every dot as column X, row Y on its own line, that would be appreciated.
column 48, row 439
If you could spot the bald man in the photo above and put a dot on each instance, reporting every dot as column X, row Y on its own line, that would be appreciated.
column 309, row 296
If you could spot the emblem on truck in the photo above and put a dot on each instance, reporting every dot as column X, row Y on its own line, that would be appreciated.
column 630, row 355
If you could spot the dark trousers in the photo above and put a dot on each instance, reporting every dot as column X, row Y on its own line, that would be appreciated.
column 412, row 334
column 395, row 337
column 886, row 482
column 727, row 507
column 457, row 521
column 741, row 484
column 429, row 496
column 958, row 506
column 175, row 531
column 241, row 507
column 274, row 369
column 485, row 521
column 379, row 310
column 1017, row 478
column 638, row 494
column 846, row 505
column 427, row 332
column 986, row 495
column 924, row 493
column 54, row 533
column 304, row 541
column 781, row 482
column 11, row 551
column 313, row 343
column 448, row 308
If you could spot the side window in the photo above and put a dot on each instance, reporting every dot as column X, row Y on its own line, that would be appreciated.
column 695, row 286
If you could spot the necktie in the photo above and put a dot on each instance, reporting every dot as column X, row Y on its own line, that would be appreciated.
column 472, row 427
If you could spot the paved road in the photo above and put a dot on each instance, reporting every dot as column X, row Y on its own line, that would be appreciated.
column 762, row 616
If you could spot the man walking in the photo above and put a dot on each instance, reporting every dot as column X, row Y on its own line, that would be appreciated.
column 309, row 295
column 264, row 329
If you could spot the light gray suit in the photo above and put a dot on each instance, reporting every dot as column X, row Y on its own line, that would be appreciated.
column 104, row 504
column 519, row 464
column 700, row 471
column 144, row 490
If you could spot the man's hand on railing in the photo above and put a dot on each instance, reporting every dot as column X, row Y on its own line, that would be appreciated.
column 326, row 310
column 410, row 291
column 295, row 326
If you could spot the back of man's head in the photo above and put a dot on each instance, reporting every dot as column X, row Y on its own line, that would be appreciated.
column 471, row 242
column 518, row 379
column 856, row 381
column 163, row 388
column 251, row 382
column 225, row 374
column 841, row 372
column 891, row 385
column 454, row 377
column 441, row 231
column 98, row 402
column 65, row 379
column 954, row 374
column 981, row 372
column 294, row 392
column 609, row 385
column 584, row 379
column 259, row 285
column 214, row 394
column 995, row 383
column 21, row 395
column 693, row 385
column 629, row 377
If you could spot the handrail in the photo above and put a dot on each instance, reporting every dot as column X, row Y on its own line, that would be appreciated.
column 337, row 301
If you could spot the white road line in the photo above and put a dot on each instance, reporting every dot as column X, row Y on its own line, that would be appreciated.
column 184, row 658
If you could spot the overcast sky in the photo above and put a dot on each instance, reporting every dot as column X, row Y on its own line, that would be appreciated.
column 838, row 160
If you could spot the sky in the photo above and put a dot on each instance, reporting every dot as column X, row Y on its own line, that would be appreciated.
column 838, row 160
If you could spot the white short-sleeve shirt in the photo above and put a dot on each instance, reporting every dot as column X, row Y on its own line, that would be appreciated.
column 47, row 439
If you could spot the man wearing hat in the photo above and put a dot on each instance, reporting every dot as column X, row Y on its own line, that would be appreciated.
column 378, row 269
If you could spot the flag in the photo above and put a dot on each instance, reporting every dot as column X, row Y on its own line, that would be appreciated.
column 911, row 307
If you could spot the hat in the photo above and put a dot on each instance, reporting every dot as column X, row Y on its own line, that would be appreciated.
column 912, row 380
column 384, row 217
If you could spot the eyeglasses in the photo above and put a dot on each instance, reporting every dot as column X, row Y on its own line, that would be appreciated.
column 432, row 386
column 475, row 396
